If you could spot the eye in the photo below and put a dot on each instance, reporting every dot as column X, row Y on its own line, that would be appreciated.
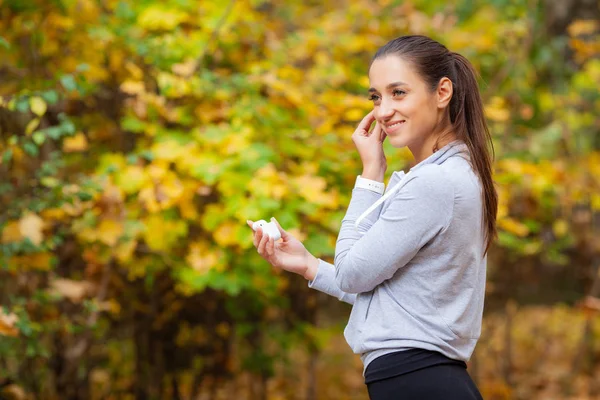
column 398, row 92
column 373, row 97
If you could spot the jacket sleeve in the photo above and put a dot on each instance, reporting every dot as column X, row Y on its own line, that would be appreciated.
column 325, row 282
column 420, row 210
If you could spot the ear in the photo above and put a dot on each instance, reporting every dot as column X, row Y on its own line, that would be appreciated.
column 444, row 92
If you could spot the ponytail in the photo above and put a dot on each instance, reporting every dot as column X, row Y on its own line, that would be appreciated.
column 468, row 120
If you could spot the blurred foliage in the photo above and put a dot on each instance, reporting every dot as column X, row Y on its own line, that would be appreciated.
column 136, row 138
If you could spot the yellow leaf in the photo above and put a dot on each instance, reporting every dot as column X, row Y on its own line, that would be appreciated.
column 160, row 234
column 355, row 114
column 202, row 258
column 31, row 227
column 131, row 179
column 161, row 195
column 266, row 182
column 185, row 69
column 55, row 214
column 124, row 251
column 496, row 110
column 35, row 262
column 31, row 126
column 313, row 189
column 38, row 105
column 136, row 72
column 582, row 27
column 226, row 234
column 7, row 324
column 560, row 228
column 132, row 87
column 187, row 205
column 109, row 231
column 513, row 226
column 11, row 232
column 159, row 17
column 75, row 143
column 148, row 198
column 168, row 150
column 71, row 289
column 595, row 202
column 235, row 144
column 173, row 85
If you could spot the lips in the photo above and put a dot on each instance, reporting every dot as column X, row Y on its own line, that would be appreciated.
column 393, row 126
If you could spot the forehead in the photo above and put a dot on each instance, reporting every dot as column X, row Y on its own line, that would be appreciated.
column 390, row 69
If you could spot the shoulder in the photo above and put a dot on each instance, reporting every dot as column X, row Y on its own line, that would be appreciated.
column 432, row 180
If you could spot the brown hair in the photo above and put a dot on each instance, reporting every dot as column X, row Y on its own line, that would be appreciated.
column 433, row 61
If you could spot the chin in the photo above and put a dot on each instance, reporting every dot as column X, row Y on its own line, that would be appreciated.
column 398, row 142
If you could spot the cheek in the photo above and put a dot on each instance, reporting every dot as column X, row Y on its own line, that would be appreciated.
column 424, row 110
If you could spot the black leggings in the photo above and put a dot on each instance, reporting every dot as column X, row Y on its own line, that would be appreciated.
column 443, row 381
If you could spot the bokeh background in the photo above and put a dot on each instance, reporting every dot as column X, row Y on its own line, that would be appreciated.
column 136, row 138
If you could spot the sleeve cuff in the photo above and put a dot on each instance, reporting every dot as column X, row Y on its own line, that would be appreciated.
column 369, row 184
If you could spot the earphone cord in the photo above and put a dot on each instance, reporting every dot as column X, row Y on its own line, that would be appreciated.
column 380, row 201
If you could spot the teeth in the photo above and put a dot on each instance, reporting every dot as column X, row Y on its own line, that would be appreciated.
column 397, row 123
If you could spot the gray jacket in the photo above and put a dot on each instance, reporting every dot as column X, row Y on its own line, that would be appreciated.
column 415, row 269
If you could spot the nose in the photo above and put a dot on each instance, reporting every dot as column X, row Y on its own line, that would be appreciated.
column 385, row 110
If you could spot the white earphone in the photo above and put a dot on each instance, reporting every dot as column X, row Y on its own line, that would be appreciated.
column 268, row 228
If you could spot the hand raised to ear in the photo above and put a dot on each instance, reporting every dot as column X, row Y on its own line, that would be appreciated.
column 370, row 143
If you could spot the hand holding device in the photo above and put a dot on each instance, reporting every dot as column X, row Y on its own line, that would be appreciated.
column 288, row 254
column 268, row 228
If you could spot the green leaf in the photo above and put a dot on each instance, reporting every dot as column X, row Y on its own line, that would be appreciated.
column 68, row 127
column 22, row 105
column 51, row 96
column 49, row 181
column 7, row 155
column 31, row 149
column 132, row 124
column 54, row 132
column 68, row 82
column 4, row 43
column 39, row 138
column 84, row 196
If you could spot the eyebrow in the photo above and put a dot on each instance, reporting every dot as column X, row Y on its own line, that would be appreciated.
column 391, row 85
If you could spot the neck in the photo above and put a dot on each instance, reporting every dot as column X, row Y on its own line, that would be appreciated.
column 426, row 148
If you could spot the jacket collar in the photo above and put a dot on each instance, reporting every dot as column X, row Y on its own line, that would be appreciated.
column 451, row 149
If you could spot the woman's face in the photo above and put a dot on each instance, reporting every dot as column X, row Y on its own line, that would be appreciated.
column 403, row 104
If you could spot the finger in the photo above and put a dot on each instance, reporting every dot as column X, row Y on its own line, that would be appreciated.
column 270, row 247
column 383, row 135
column 366, row 122
column 257, row 237
column 284, row 234
column 262, row 244
column 376, row 131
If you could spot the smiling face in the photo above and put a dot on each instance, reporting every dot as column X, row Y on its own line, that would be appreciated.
column 410, row 112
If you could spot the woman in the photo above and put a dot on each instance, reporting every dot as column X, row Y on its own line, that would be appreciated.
column 412, row 261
